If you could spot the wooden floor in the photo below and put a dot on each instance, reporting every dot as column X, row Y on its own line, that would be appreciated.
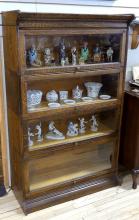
column 116, row 203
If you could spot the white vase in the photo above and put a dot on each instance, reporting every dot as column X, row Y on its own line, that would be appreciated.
column 93, row 89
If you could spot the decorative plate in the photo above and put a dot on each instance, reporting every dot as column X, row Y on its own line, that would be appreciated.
column 69, row 101
column 105, row 97
column 53, row 105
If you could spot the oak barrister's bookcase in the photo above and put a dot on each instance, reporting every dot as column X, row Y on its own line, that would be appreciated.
column 54, row 171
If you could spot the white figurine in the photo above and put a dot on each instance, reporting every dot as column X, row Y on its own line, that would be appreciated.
column 94, row 126
column 109, row 54
column 32, row 56
column 39, row 133
column 62, row 62
column 74, row 55
column 72, row 129
column 30, row 142
column 82, row 125
column 47, row 56
column 53, row 133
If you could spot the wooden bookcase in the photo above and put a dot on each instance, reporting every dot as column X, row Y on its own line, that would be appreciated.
column 52, row 172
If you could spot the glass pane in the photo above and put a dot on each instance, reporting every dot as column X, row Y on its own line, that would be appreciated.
column 78, row 90
column 55, row 133
column 81, row 161
column 72, row 50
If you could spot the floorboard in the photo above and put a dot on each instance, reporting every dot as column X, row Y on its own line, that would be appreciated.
column 116, row 203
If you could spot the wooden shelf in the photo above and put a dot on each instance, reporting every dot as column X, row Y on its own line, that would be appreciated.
column 44, row 111
column 69, row 68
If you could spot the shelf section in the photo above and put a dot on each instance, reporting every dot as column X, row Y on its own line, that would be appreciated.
column 44, row 111
column 89, row 135
column 70, row 165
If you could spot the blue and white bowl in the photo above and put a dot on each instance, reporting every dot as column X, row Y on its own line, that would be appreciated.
column 34, row 98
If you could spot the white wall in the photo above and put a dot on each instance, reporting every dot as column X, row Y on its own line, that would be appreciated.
column 77, row 6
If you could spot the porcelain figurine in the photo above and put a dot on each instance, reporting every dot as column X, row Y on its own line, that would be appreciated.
column 33, row 57
column 84, row 51
column 52, row 96
column 39, row 133
column 74, row 56
column 72, row 129
column 82, row 127
column 62, row 52
column 109, row 54
column 30, row 134
column 47, row 56
column 97, row 53
column 77, row 93
column 53, row 133
column 66, row 61
column 94, row 126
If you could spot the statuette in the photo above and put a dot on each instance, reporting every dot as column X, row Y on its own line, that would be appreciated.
column 53, row 133
column 47, row 56
column 39, row 133
column 84, row 52
column 33, row 57
column 97, row 53
column 74, row 55
column 30, row 134
column 94, row 126
column 62, row 52
column 109, row 54
column 72, row 129
column 82, row 127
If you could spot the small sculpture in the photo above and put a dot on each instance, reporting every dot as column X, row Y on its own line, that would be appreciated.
column 62, row 53
column 84, row 52
column 72, row 129
column 82, row 125
column 97, row 53
column 53, row 133
column 33, row 57
column 39, row 133
column 47, row 56
column 94, row 126
column 109, row 54
column 30, row 134
column 66, row 61
column 77, row 93
column 74, row 55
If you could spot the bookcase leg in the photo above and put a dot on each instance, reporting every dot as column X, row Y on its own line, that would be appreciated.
column 135, row 172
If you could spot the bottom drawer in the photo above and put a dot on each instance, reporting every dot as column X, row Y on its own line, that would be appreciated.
column 70, row 164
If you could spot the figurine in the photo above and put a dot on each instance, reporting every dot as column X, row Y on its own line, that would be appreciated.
column 109, row 54
column 94, row 126
column 62, row 53
column 33, row 57
column 53, row 133
column 97, row 53
column 82, row 125
column 74, row 55
column 72, row 129
column 77, row 93
column 84, row 52
column 47, row 56
column 30, row 142
column 66, row 61
column 39, row 133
